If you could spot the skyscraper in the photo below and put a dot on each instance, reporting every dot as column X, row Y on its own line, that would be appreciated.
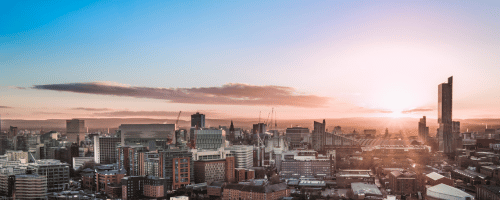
column 75, row 130
column 423, row 130
column 319, row 136
column 198, row 120
column 445, row 102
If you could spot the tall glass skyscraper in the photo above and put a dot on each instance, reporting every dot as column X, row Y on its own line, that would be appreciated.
column 445, row 102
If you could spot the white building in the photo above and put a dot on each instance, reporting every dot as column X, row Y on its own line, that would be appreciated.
column 243, row 155
column 443, row 191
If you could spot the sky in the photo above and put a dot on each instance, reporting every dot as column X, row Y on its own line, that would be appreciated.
column 304, row 59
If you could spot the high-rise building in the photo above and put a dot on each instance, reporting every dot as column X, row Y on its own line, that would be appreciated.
column 423, row 130
column 177, row 165
column 319, row 135
column 198, row 120
column 445, row 103
column 75, row 130
column 295, row 135
column 259, row 128
column 145, row 133
column 105, row 149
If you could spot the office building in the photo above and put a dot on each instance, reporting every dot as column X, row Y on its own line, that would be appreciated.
column 243, row 155
column 75, row 130
column 423, row 130
column 319, row 136
column 445, row 103
column 306, row 164
column 105, row 149
column 295, row 135
column 174, row 164
column 57, row 173
column 210, row 139
column 198, row 120
column 144, row 134
column 29, row 186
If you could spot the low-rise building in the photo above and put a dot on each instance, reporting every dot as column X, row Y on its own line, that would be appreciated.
column 443, row 191
column 487, row 192
column 346, row 177
column 264, row 191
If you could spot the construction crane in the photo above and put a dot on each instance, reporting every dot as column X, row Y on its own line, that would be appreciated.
column 178, row 116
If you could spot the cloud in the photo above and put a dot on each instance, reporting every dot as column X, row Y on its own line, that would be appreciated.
column 227, row 94
column 127, row 113
column 417, row 110
column 6, row 107
column 370, row 110
column 17, row 87
column 91, row 109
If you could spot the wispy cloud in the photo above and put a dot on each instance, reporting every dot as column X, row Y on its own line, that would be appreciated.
column 17, row 87
column 6, row 107
column 417, row 110
column 91, row 109
column 370, row 110
column 227, row 94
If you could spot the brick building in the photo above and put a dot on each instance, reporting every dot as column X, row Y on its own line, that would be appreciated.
column 264, row 191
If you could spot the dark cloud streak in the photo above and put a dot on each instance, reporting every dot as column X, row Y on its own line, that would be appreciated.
column 227, row 94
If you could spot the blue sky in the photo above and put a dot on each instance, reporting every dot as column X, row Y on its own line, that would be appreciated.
column 351, row 52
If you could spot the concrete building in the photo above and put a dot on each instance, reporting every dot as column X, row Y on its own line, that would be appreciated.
column 259, row 128
column 143, row 134
column 75, row 130
column 210, row 139
column 296, row 135
column 243, row 155
column 306, row 164
column 445, row 107
column 29, row 186
column 57, row 173
column 79, row 161
column 105, row 149
column 319, row 136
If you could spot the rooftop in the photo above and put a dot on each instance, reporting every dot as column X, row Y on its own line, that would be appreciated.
column 435, row 176
column 364, row 188
column 443, row 189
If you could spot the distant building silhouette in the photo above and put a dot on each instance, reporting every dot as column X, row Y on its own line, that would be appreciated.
column 198, row 120
column 423, row 130
column 231, row 132
column 445, row 102
column 75, row 130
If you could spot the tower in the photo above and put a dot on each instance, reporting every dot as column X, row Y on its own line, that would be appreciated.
column 231, row 131
column 319, row 136
column 423, row 130
column 445, row 102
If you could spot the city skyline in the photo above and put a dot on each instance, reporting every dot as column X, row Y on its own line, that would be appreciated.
column 236, row 60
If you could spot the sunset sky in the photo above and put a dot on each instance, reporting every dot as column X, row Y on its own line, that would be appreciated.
column 307, row 59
